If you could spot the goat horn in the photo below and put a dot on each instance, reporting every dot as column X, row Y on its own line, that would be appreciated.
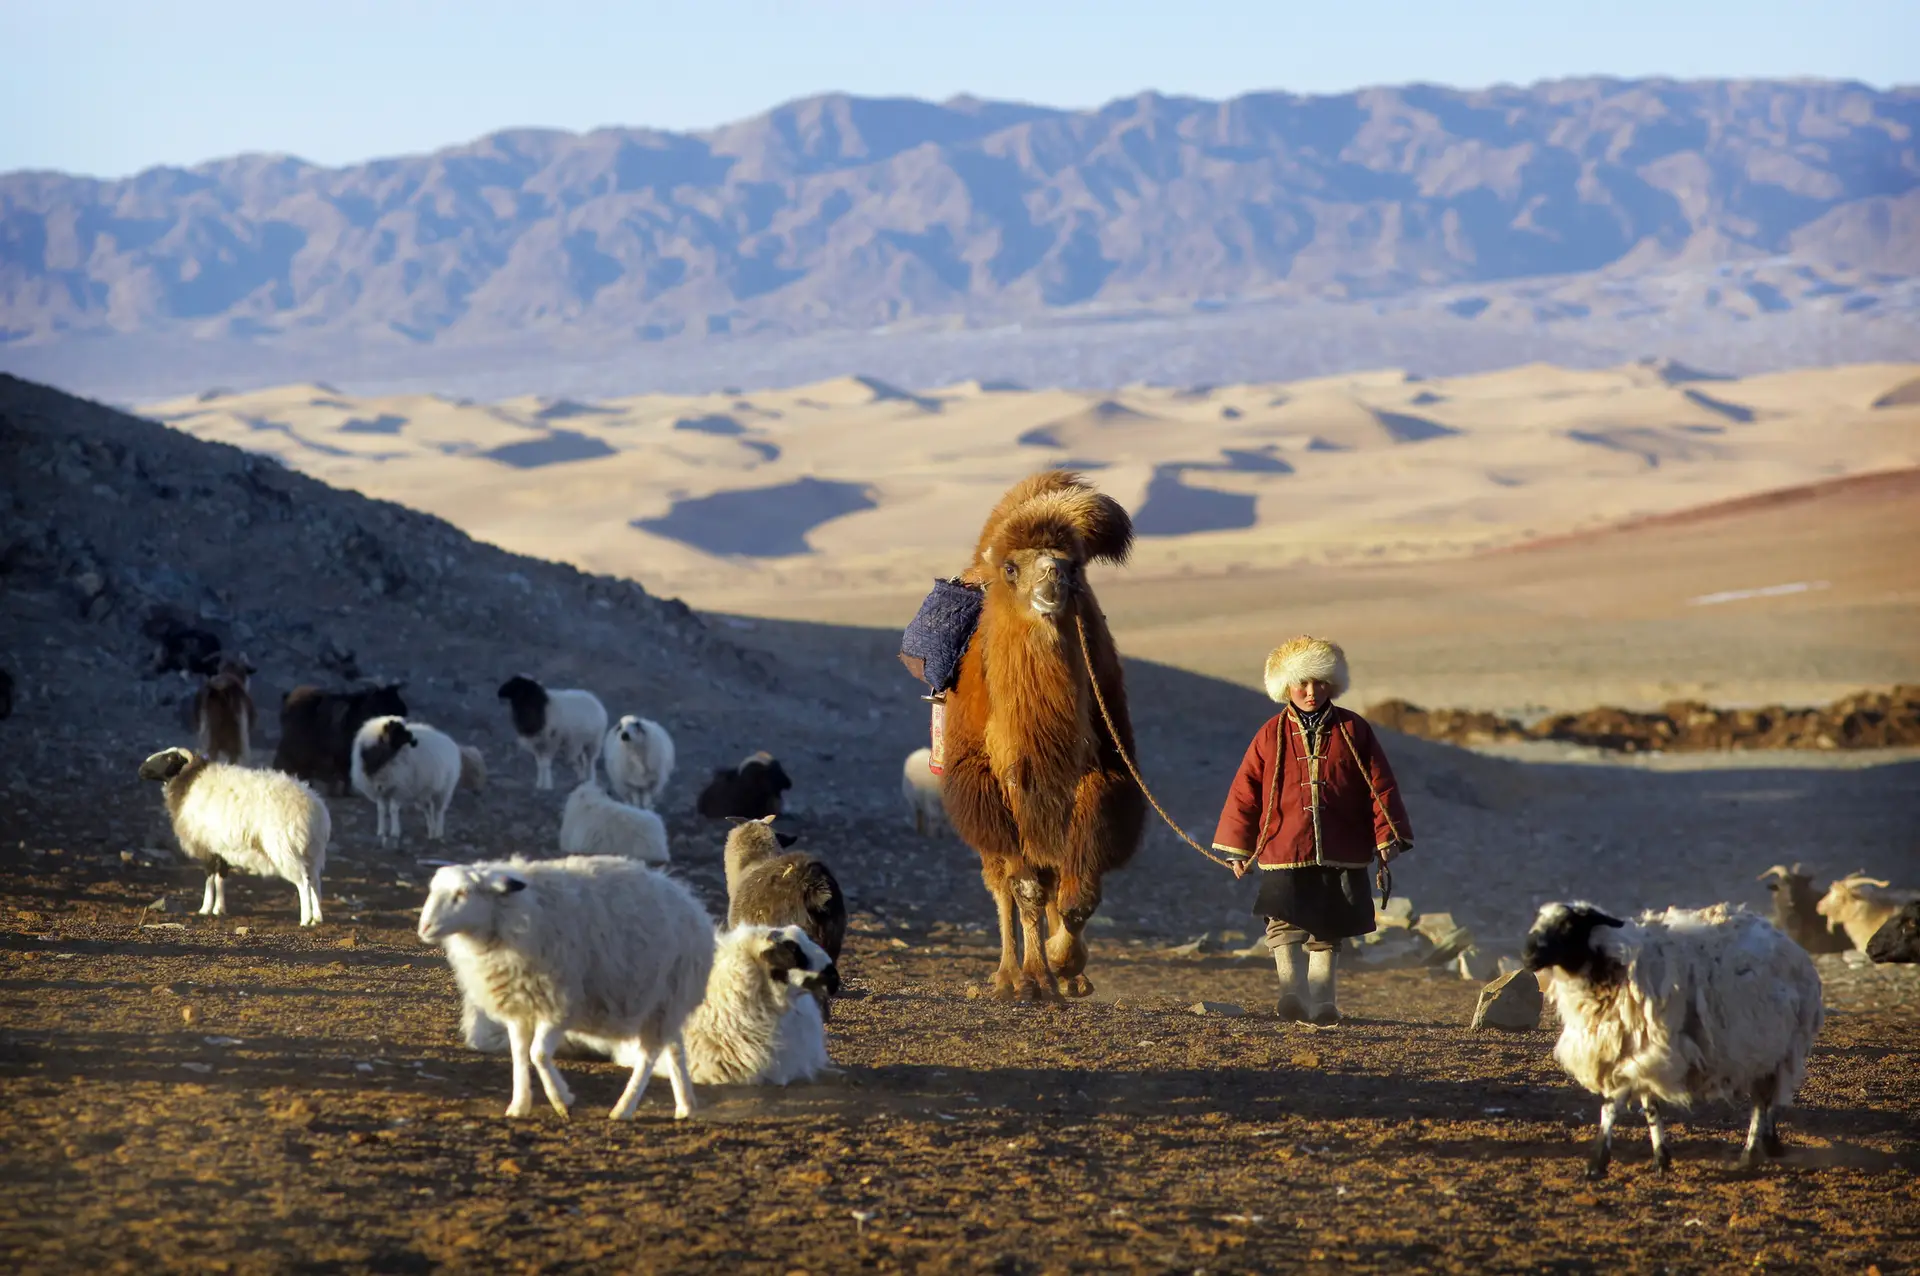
column 1778, row 870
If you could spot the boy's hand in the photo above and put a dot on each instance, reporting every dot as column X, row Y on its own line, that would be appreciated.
column 1391, row 852
column 1240, row 867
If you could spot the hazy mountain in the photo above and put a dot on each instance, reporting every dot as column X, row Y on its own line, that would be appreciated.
column 846, row 213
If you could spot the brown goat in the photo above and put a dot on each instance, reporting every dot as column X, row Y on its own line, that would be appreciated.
column 1033, row 780
column 224, row 716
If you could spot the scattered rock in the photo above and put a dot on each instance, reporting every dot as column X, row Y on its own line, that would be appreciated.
column 1224, row 1009
column 187, row 1015
column 1476, row 964
column 1398, row 913
column 1192, row 948
column 167, row 904
column 1511, row 1003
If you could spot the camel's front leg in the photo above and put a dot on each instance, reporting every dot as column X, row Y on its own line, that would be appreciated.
column 1067, row 951
column 1037, row 982
column 995, row 871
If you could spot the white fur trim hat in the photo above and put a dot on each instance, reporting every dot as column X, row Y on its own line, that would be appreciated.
column 1305, row 659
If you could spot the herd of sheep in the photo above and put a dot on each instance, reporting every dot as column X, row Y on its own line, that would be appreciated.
column 602, row 952
column 599, row 950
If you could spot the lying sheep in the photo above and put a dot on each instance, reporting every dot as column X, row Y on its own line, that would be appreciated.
column 231, row 819
column 595, row 824
column 224, row 716
column 590, row 944
column 769, row 888
column 317, row 730
column 1682, row 1006
column 1796, row 911
column 1898, row 939
column 552, row 724
column 920, row 789
column 749, row 791
column 639, row 757
column 758, row 1025
column 1861, row 905
column 398, row 763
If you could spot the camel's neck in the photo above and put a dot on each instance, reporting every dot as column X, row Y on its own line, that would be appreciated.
column 1039, row 730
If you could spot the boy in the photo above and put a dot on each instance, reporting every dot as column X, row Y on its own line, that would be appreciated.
column 1314, row 806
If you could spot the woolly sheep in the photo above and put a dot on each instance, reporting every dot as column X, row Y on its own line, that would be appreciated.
column 224, row 716
column 1898, row 940
column 317, row 729
column 473, row 769
column 1861, row 905
column 1683, row 1005
column 769, row 888
column 590, row 944
column 1796, row 911
column 552, row 724
column 231, row 819
column 920, row 789
column 638, row 754
column 749, row 791
column 397, row 762
column 595, row 824
column 758, row 1025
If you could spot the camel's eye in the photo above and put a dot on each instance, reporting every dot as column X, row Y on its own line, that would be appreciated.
column 1010, row 571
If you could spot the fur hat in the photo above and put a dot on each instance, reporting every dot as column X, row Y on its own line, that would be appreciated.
column 1303, row 659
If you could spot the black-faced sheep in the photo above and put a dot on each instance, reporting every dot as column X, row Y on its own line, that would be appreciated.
column 1796, row 911
column 595, row 945
column 1898, row 939
column 1860, row 905
column 231, row 819
column 181, row 646
column 595, row 824
column 770, row 886
column 398, row 763
column 317, row 730
column 639, row 759
column 224, row 716
column 750, row 791
column 1682, row 1006
column 550, row 724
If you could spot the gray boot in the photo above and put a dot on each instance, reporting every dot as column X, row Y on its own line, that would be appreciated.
column 1292, row 1007
column 1322, row 986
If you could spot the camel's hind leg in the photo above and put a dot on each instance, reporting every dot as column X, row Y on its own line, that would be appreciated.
column 997, row 873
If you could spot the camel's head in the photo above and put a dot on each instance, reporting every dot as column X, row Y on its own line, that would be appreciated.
column 1037, row 544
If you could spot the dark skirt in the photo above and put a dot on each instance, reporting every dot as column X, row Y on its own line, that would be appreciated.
column 1327, row 903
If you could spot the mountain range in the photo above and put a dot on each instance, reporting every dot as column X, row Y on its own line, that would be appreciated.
column 1581, row 203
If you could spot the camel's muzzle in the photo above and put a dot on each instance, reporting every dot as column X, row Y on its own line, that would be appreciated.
column 1056, row 589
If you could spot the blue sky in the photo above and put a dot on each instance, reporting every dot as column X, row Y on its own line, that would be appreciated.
column 108, row 87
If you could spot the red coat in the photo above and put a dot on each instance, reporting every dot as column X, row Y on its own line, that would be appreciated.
column 1322, row 811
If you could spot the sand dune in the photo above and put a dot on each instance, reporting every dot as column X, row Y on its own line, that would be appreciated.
column 844, row 497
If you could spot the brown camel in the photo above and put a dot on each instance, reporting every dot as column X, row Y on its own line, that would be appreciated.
column 1033, row 780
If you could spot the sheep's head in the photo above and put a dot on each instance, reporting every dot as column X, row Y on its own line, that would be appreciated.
column 1841, row 895
column 529, row 702
column 461, row 900
column 1898, row 939
column 751, row 841
column 167, row 763
column 381, row 741
column 1563, row 937
column 792, row 959
column 630, row 729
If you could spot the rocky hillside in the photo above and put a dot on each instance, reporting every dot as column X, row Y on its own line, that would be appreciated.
column 844, row 213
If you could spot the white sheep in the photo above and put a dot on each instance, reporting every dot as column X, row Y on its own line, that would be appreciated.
column 473, row 769
column 638, row 754
column 594, row 824
column 397, row 762
column 232, row 819
column 552, row 724
column 1860, row 905
column 920, row 790
column 758, row 1025
column 590, row 944
column 1685, row 1005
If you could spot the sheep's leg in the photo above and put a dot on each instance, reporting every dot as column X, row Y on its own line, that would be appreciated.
column 1037, row 982
column 313, row 898
column 1603, row 1142
column 219, row 894
column 520, row 1044
column 542, row 771
column 546, row 1039
column 393, row 821
column 676, row 1061
column 1656, row 1134
column 643, row 1062
column 206, row 896
column 1766, row 1094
